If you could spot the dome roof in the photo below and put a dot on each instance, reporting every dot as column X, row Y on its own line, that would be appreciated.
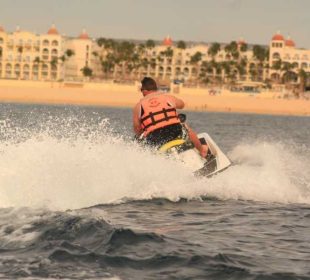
column 290, row 43
column 53, row 30
column 241, row 41
column 167, row 41
column 1, row 29
column 84, row 35
column 278, row 37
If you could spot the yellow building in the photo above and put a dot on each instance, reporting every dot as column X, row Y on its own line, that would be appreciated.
column 286, row 51
column 51, row 56
column 29, row 56
column 82, row 57
column 25, row 55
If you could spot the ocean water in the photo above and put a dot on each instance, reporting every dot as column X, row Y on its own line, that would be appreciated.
column 79, row 200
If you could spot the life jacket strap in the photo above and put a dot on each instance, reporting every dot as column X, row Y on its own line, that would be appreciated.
column 154, row 122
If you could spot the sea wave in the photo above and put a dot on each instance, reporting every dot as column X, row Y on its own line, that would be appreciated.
column 85, row 169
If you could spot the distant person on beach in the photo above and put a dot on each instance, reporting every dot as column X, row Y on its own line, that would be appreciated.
column 155, row 117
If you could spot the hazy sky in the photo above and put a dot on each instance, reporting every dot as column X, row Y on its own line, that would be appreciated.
column 198, row 20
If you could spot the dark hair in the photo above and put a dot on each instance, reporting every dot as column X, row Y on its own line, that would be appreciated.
column 148, row 84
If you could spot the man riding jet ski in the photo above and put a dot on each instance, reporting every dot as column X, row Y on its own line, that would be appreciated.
column 156, row 119
column 157, row 124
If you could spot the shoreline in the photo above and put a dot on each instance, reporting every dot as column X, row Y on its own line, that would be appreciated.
column 111, row 95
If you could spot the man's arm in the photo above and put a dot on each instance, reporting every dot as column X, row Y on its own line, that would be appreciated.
column 179, row 103
column 136, row 120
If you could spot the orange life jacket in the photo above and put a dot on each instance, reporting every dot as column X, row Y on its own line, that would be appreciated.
column 157, row 112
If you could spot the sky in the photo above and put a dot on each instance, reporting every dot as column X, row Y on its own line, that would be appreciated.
column 190, row 20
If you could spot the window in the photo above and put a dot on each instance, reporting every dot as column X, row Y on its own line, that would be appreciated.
column 55, row 43
column 46, row 43
column 276, row 56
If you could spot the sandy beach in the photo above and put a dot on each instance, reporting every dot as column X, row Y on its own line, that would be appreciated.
column 127, row 96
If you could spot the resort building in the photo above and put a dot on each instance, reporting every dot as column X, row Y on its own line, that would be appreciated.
column 28, row 56
column 285, row 51
column 80, row 57
column 53, row 57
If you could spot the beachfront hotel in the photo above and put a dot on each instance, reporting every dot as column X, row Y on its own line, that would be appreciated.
column 285, row 50
column 54, row 57
column 29, row 56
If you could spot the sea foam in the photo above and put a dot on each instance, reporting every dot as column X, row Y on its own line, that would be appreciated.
column 89, row 168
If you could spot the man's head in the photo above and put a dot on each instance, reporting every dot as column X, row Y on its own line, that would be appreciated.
column 148, row 85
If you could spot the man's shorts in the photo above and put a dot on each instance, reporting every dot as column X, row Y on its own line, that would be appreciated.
column 161, row 136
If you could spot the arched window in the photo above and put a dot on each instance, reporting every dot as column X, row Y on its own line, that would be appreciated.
column 186, row 71
column 168, row 69
column 54, row 52
column 17, row 70
column 295, row 64
column 8, row 67
column 276, row 56
column 55, row 43
column 45, row 54
column 44, row 67
column 44, row 70
column 8, row 70
column 178, row 71
column 296, row 57
column 35, row 68
column 161, row 69
column 305, row 57
column 46, row 43
column 1, row 40
column 26, row 68
column 275, row 77
column 194, row 71
column 304, row 65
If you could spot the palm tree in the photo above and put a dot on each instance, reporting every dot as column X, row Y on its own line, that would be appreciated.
column 260, row 53
column 196, row 58
column 288, row 71
column 302, row 74
column 181, row 45
column 87, row 71
column 243, row 47
column 277, row 66
column 101, row 42
column 150, row 44
column 53, row 63
column 69, row 53
column 232, row 50
column 214, row 49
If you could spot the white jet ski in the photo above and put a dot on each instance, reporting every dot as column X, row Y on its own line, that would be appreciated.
column 183, row 150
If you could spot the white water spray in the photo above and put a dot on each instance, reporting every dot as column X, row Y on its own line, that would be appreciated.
column 81, row 172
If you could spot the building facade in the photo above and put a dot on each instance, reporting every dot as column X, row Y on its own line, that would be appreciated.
column 53, row 57
column 29, row 56
column 285, row 51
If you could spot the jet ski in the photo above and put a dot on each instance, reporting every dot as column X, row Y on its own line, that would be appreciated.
column 183, row 149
